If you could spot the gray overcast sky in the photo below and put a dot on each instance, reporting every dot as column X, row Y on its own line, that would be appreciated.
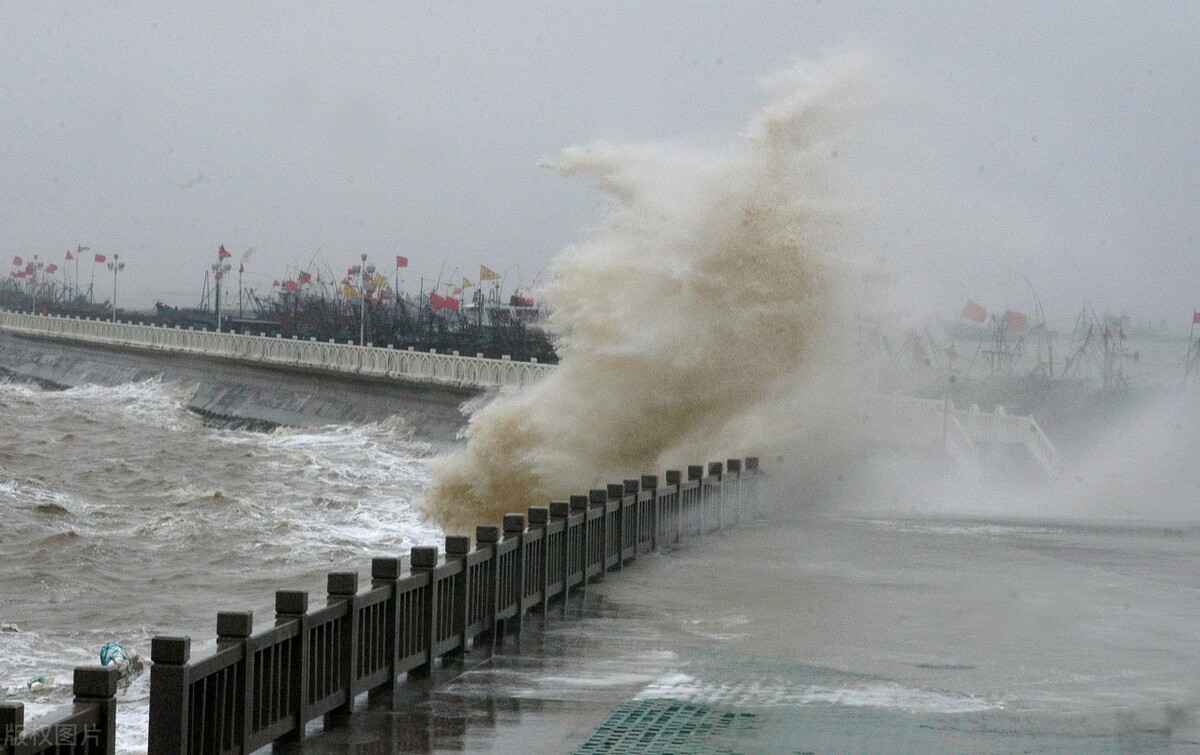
column 1056, row 140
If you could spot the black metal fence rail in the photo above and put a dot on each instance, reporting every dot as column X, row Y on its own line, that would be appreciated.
column 256, row 688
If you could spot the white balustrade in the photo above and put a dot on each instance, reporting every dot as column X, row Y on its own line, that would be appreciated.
column 930, row 422
column 367, row 361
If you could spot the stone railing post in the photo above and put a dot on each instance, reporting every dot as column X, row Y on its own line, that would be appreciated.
column 12, row 723
column 750, row 482
column 561, row 510
column 598, row 497
column 514, row 528
column 715, row 470
column 235, row 628
column 386, row 571
column 695, row 473
column 342, row 587
column 675, row 478
column 616, row 494
column 579, row 505
column 169, row 694
column 97, row 686
column 630, row 519
column 539, row 517
column 488, row 536
column 292, row 605
column 734, row 468
column 650, row 483
column 424, row 558
column 457, row 548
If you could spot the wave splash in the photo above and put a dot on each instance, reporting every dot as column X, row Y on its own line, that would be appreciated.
column 695, row 304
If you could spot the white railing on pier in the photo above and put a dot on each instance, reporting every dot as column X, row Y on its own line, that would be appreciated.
column 344, row 358
column 932, row 423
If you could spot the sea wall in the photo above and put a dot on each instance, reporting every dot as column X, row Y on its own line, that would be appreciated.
column 235, row 391
column 368, row 361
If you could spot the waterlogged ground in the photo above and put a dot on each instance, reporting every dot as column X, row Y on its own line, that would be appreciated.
column 838, row 633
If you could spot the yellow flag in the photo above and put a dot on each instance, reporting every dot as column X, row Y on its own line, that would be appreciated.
column 487, row 274
column 379, row 282
column 467, row 284
column 348, row 291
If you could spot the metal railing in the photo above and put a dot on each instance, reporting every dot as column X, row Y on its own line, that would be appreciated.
column 293, row 353
column 255, row 688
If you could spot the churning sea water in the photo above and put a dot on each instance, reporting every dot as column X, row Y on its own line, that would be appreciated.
column 125, row 516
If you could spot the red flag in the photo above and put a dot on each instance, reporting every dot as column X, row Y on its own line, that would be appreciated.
column 401, row 261
column 1015, row 321
column 18, row 261
column 974, row 311
column 70, row 256
column 222, row 254
column 100, row 258
column 438, row 302
column 292, row 287
column 19, row 274
column 52, row 269
column 1195, row 317
column 305, row 278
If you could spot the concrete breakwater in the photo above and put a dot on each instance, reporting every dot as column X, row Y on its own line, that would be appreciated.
column 241, row 393
column 260, row 380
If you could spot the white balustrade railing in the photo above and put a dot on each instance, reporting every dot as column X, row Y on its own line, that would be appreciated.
column 366, row 361
column 928, row 422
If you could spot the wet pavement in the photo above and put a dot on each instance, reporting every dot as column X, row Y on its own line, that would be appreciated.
column 838, row 634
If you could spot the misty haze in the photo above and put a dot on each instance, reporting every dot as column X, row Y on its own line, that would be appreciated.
column 293, row 289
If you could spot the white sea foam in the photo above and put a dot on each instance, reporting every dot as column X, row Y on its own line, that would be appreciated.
column 155, row 402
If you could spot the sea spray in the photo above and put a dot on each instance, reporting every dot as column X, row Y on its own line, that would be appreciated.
column 697, row 301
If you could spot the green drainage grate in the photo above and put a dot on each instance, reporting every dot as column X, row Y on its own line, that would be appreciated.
column 667, row 726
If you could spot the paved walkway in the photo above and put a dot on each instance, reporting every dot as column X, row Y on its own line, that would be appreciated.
column 840, row 635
